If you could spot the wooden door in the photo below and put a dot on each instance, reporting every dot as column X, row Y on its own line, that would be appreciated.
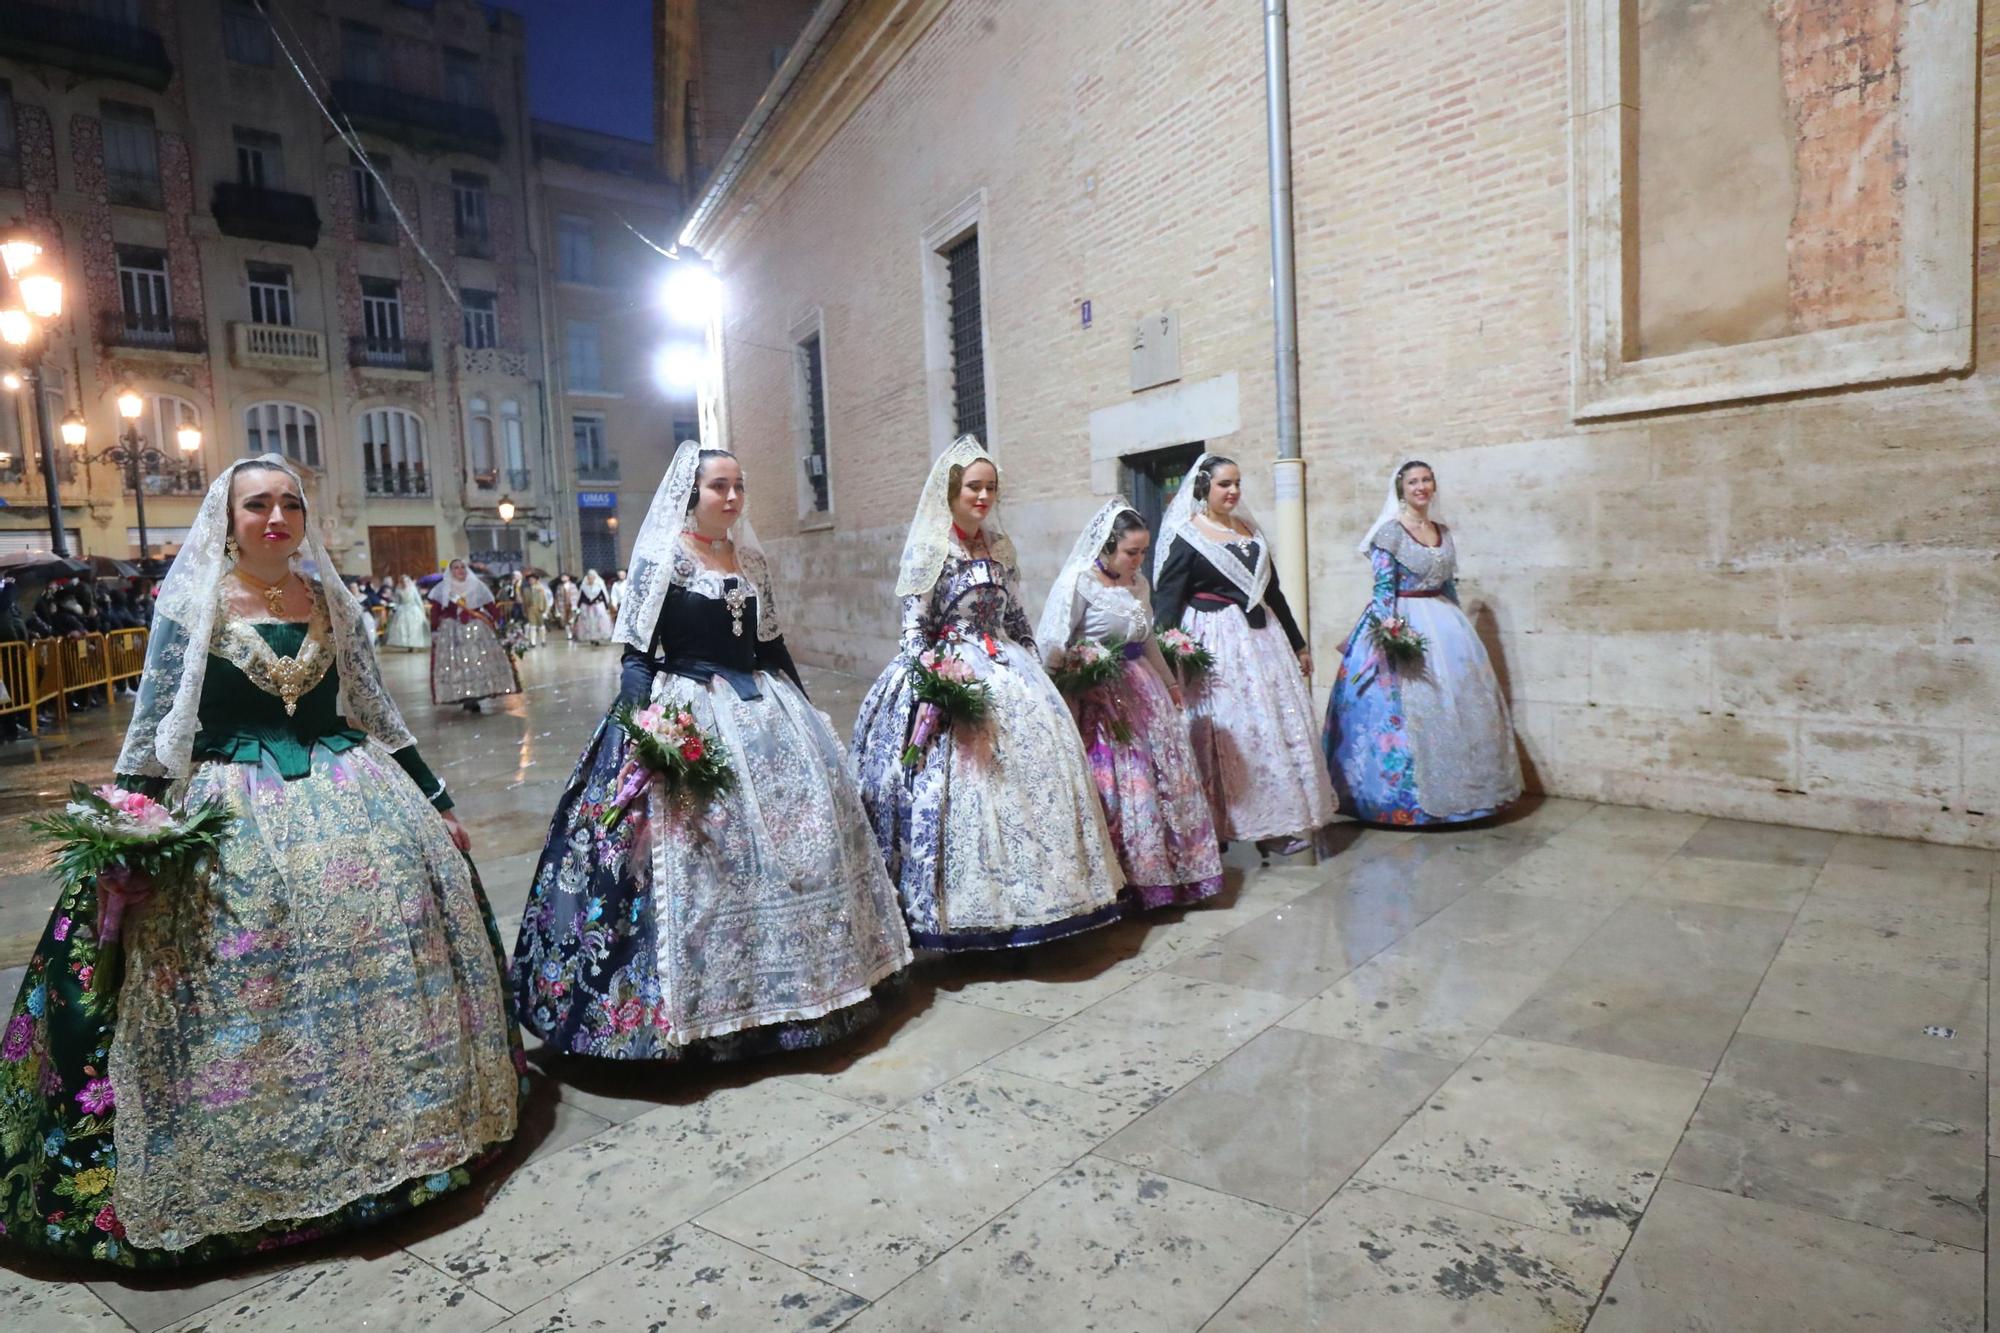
column 394, row 551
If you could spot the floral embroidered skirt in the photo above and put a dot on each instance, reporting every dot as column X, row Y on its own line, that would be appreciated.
column 1250, row 719
column 311, row 1040
column 759, row 921
column 1434, row 745
column 592, row 624
column 467, row 662
column 1154, row 804
column 998, row 838
column 409, row 627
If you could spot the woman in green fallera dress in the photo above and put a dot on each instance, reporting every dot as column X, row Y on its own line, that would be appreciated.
column 314, row 1035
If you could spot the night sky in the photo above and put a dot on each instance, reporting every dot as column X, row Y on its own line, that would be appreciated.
column 590, row 63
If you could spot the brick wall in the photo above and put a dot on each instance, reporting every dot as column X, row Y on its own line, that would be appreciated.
column 1787, row 610
column 737, row 39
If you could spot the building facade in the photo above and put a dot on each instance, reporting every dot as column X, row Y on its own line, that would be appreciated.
column 713, row 60
column 608, row 214
column 1705, row 389
column 378, row 307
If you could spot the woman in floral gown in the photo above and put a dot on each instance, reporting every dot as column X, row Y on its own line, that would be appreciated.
column 315, row 1035
column 409, row 621
column 1431, row 742
column 753, row 921
column 1133, row 728
column 995, row 837
column 593, row 610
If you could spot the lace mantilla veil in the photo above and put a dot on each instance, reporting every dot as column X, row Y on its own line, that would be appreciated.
column 166, row 716
column 929, row 542
column 471, row 589
column 1058, row 612
column 1179, row 522
column 657, row 554
column 1392, row 509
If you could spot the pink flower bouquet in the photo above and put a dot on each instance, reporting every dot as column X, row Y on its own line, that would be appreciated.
column 1185, row 654
column 947, row 693
column 131, row 846
column 1397, row 645
column 666, row 744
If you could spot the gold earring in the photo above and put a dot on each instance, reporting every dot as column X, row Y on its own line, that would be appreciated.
column 229, row 547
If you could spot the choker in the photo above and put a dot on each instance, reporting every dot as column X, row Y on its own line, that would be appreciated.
column 710, row 542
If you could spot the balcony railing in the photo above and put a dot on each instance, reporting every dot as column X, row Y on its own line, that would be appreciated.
column 85, row 43
column 376, row 230
column 475, row 244
column 276, row 347
column 600, row 470
column 135, row 189
column 389, row 353
column 486, row 481
column 170, row 481
column 520, row 479
column 118, row 328
column 423, row 122
column 265, row 215
column 398, row 479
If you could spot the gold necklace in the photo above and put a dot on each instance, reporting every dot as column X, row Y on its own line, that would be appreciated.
column 273, row 593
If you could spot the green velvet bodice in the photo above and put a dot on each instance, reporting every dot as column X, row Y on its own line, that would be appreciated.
column 239, row 720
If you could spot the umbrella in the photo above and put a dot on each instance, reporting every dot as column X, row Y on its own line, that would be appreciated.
column 109, row 567
column 428, row 579
column 40, row 567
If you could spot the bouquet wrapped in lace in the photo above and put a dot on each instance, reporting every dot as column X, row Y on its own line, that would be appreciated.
column 513, row 636
column 666, row 744
column 133, row 847
column 1396, row 644
column 1185, row 654
column 947, row 694
column 1090, row 665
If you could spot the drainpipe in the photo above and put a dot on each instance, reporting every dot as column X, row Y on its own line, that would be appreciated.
column 1288, row 481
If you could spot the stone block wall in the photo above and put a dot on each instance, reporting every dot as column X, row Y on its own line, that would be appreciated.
column 1782, row 610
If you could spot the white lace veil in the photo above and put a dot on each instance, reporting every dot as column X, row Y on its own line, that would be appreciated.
column 160, row 738
column 471, row 590
column 1052, row 630
column 929, row 542
column 1392, row 508
column 1179, row 522
column 659, row 543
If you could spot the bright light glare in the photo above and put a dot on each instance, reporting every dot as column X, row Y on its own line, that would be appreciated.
column 130, row 405
column 74, row 432
column 682, row 367
column 692, row 294
column 42, row 294
column 15, row 328
column 17, row 255
column 10, row 382
column 189, row 436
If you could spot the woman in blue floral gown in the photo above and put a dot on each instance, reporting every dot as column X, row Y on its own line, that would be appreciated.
column 759, row 920
column 995, row 837
column 313, row 1036
column 1429, row 743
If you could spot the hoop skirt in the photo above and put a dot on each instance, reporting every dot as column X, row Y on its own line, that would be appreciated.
column 593, row 620
column 997, row 838
column 467, row 661
column 1154, row 804
column 1432, row 744
column 759, row 921
column 314, row 1038
column 409, row 624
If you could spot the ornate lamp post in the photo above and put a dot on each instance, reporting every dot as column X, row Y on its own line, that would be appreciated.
column 24, row 327
column 132, row 453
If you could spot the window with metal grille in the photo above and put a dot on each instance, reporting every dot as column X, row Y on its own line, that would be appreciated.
column 392, row 453
column 598, row 538
column 582, row 352
column 468, row 207
column 270, row 293
column 260, row 159
column 382, row 313
column 968, row 346
column 10, row 140
column 482, row 318
column 587, row 433
column 576, row 245
column 291, row 429
column 246, row 37
column 131, row 155
column 143, row 291
column 370, row 210
column 812, row 371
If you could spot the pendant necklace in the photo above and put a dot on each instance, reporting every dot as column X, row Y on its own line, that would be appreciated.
column 734, row 596
column 273, row 593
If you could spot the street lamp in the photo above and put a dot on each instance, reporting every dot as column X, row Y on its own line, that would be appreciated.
column 74, row 432
column 506, row 509
column 24, row 328
column 132, row 453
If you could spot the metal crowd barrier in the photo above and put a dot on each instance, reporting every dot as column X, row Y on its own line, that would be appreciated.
column 45, row 672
